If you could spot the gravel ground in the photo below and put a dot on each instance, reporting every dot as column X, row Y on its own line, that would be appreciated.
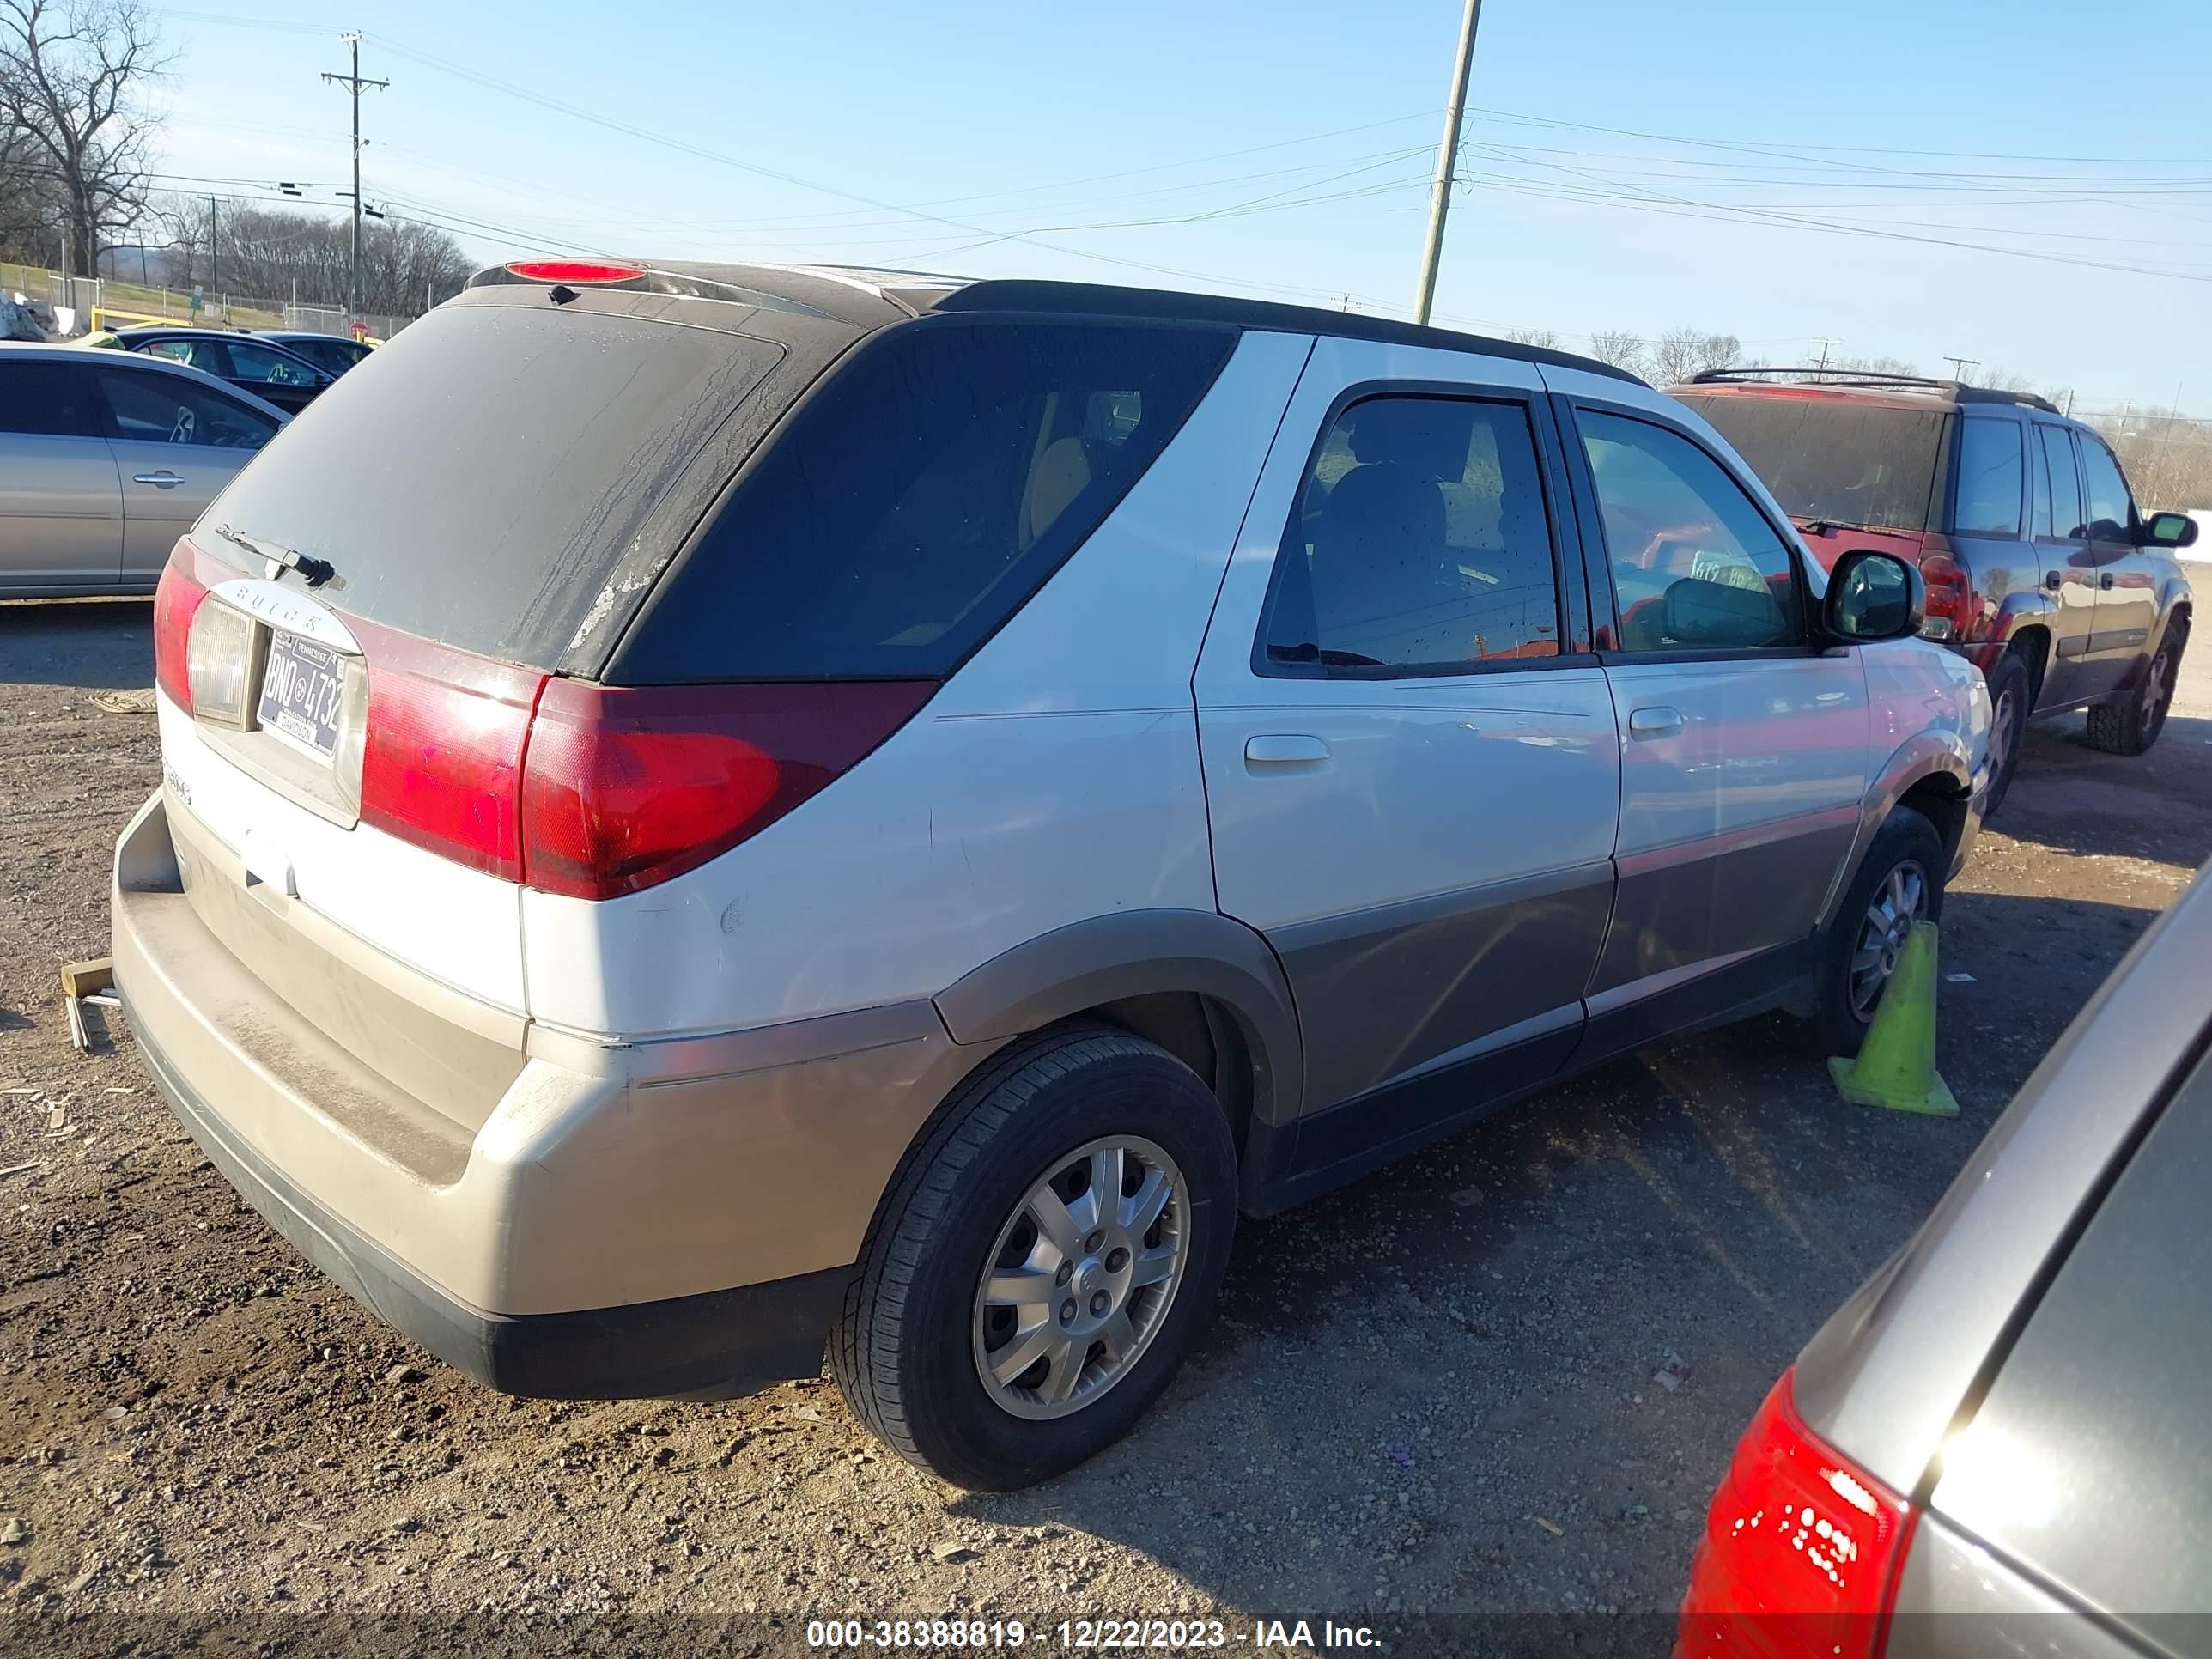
column 1499, row 1379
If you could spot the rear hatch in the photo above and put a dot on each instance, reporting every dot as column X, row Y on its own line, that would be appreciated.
column 354, row 642
column 1853, row 469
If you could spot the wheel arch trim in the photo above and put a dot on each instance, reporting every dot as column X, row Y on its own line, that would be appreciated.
column 1137, row 953
column 1922, row 756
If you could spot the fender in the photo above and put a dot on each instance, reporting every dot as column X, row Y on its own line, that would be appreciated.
column 2021, row 607
column 2174, row 593
column 1140, row 953
column 1921, row 756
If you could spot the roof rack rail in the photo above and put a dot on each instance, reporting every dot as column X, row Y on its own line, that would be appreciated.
column 1870, row 379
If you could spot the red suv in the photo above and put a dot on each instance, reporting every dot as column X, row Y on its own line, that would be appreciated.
column 2038, row 567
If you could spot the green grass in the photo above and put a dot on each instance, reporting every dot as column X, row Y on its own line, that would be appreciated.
column 133, row 297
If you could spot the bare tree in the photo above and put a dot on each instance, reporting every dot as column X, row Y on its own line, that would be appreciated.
column 284, row 257
column 1682, row 353
column 72, row 76
column 1877, row 365
column 1619, row 347
column 1534, row 337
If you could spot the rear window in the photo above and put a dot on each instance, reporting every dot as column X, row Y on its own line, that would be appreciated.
column 1834, row 459
column 922, row 493
column 478, row 479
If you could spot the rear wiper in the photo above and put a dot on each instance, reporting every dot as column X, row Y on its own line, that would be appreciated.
column 315, row 571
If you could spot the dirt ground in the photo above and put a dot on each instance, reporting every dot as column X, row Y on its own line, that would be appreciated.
column 1499, row 1379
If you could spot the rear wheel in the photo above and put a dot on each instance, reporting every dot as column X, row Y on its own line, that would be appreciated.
column 1900, row 882
column 2130, row 724
column 2010, row 695
column 1042, row 1262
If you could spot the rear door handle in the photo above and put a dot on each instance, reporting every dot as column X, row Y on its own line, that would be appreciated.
column 1645, row 724
column 1284, row 749
column 164, row 479
column 2054, row 579
column 2104, row 581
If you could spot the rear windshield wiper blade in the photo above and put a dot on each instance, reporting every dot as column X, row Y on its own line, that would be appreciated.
column 315, row 571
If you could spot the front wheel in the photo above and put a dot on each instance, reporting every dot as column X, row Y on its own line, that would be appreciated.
column 2131, row 724
column 1042, row 1262
column 1900, row 882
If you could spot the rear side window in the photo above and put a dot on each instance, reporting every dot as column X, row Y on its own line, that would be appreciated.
column 478, row 480
column 46, row 400
column 2065, row 481
column 919, row 497
column 1989, row 477
column 1420, row 543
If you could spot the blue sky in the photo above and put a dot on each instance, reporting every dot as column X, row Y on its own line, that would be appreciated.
column 1630, row 166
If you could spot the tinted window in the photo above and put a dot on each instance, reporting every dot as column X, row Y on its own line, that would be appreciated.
column 258, row 364
column 1989, row 477
column 478, row 481
column 917, row 498
column 2065, row 482
column 1421, row 540
column 1696, row 566
column 200, row 354
column 52, row 400
column 1838, row 459
column 2111, row 515
column 151, row 406
column 2088, row 1460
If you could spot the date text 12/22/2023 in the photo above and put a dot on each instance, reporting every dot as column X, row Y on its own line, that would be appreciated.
column 1085, row 1634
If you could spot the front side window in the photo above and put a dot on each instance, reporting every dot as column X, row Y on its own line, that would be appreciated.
column 1696, row 566
column 1989, row 477
column 2111, row 515
column 260, row 365
column 198, row 354
column 1420, row 543
column 152, row 406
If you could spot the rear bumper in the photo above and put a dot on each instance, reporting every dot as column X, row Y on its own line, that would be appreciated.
column 714, row 1344
column 623, row 1220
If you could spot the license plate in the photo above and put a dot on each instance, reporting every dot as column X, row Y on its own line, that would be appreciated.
column 302, row 691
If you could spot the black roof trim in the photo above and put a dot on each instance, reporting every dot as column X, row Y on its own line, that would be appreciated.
column 1850, row 379
column 1103, row 299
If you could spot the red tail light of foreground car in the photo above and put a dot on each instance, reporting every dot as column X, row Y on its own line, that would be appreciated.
column 1800, row 1552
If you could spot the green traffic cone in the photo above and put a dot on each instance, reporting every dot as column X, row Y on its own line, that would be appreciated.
column 1896, row 1066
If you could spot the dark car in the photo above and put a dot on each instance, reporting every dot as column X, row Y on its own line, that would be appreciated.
column 2038, row 567
column 2008, row 1420
column 333, row 353
column 269, row 371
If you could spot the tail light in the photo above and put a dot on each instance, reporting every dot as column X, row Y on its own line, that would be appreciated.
column 1801, row 1551
column 1954, row 610
column 628, row 786
column 176, row 601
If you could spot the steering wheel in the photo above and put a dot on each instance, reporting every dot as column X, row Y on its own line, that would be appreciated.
column 187, row 425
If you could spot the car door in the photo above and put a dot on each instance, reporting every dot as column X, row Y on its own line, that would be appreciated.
column 2069, row 576
column 61, row 507
column 289, row 382
column 1743, row 743
column 1408, row 751
column 2127, row 581
column 176, row 441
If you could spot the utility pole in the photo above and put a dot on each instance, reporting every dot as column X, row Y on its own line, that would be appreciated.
column 353, row 84
column 1961, row 365
column 214, row 251
column 1823, row 342
column 1447, row 165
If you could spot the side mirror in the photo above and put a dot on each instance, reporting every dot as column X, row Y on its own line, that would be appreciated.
column 1872, row 597
column 2175, row 529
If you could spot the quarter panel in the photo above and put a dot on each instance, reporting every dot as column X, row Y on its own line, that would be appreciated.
column 61, row 512
column 1959, row 1600
column 1053, row 779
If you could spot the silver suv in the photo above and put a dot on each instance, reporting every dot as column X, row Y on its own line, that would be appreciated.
column 710, row 808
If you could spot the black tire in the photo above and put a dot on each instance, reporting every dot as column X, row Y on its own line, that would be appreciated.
column 2130, row 723
column 905, row 1350
column 1906, row 839
column 2011, row 680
